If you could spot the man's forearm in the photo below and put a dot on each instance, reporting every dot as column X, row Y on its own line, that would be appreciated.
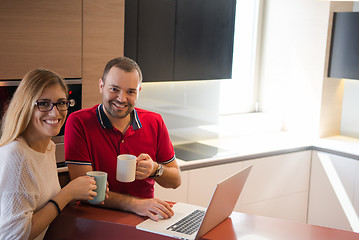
column 120, row 201
column 150, row 207
column 170, row 178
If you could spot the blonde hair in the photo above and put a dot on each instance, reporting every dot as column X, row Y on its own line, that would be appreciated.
column 18, row 115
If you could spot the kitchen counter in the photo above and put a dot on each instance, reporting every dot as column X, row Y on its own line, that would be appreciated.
column 240, row 148
column 234, row 149
column 339, row 145
column 257, row 146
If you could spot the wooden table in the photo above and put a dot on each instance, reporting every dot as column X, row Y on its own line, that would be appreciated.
column 80, row 221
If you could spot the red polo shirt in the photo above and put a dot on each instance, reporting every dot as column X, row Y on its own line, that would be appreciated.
column 90, row 139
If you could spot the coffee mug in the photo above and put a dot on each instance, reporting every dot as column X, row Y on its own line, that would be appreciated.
column 126, row 168
column 101, row 183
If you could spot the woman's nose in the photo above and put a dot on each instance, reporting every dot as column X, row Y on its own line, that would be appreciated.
column 54, row 111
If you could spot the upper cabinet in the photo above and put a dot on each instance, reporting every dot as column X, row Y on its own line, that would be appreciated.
column 344, row 50
column 177, row 40
column 103, row 27
column 40, row 34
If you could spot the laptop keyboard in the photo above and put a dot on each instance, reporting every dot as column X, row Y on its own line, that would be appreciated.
column 189, row 224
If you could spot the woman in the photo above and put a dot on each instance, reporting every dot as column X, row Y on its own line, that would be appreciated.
column 30, row 193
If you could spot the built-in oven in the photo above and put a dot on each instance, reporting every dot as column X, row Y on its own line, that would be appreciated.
column 7, row 89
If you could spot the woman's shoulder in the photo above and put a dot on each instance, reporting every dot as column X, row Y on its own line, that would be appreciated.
column 12, row 151
column 12, row 147
column 12, row 161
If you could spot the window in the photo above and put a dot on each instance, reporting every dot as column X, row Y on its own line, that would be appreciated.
column 239, row 94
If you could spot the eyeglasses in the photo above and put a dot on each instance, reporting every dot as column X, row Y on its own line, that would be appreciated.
column 44, row 106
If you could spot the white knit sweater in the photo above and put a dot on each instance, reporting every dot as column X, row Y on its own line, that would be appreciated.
column 28, row 179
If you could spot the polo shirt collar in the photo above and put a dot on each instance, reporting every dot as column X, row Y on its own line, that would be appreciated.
column 106, row 123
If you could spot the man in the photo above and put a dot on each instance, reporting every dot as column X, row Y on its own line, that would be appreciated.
column 95, row 136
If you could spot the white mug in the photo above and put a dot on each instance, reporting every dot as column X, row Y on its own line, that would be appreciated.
column 126, row 168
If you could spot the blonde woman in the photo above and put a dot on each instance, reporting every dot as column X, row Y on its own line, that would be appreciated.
column 30, row 193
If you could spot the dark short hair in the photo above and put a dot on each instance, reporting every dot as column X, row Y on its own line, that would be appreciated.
column 123, row 63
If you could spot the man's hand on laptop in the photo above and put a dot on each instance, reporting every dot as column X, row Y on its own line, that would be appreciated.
column 153, row 208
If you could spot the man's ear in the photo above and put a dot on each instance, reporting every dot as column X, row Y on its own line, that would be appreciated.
column 100, row 85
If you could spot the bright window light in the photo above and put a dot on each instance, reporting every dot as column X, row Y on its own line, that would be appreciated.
column 239, row 94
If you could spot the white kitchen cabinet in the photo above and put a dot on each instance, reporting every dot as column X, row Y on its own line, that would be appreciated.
column 325, row 204
column 356, row 190
column 202, row 181
column 174, row 195
column 277, row 186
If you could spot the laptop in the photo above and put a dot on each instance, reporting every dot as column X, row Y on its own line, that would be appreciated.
column 191, row 221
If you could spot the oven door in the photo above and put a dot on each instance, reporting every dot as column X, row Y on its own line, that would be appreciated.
column 7, row 89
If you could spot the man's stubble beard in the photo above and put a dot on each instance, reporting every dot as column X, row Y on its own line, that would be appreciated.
column 115, row 114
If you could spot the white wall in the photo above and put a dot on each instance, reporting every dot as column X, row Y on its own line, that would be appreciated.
column 292, row 66
column 349, row 125
column 350, row 112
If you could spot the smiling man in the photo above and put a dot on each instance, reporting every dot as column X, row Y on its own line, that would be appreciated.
column 94, row 138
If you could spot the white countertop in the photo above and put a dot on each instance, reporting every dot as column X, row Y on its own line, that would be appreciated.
column 340, row 145
column 238, row 148
column 249, row 146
